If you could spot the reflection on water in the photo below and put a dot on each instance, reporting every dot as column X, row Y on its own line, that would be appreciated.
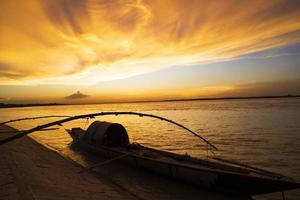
column 262, row 132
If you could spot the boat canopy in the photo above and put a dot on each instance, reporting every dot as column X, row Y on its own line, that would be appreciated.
column 107, row 133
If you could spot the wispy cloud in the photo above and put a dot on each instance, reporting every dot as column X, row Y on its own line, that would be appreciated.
column 88, row 41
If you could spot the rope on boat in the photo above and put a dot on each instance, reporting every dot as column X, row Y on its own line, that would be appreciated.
column 105, row 162
column 283, row 197
column 93, row 115
column 31, row 118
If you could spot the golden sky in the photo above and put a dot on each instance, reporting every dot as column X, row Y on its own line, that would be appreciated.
column 87, row 42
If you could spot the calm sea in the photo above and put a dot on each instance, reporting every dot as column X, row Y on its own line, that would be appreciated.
column 260, row 132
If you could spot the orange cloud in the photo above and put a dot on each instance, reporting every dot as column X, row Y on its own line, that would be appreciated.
column 87, row 41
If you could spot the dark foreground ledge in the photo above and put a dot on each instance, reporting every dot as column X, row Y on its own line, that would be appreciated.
column 31, row 171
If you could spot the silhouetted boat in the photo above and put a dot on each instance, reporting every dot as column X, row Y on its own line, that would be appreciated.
column 111, row 140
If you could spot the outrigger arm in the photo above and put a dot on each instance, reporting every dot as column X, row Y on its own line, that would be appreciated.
column 93, row 115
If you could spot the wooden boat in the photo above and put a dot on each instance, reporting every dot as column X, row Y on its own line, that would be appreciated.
column 111, row 140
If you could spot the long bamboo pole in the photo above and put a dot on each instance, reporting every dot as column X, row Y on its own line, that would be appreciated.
column 92, row 115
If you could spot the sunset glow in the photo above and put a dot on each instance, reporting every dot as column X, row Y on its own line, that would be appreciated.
column 67, row 45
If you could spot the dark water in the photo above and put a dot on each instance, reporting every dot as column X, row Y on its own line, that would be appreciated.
column 260, row 132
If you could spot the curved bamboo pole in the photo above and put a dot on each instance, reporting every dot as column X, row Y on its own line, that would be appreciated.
column 93, row 115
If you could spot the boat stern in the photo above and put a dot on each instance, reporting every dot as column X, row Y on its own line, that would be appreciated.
column 252, row 185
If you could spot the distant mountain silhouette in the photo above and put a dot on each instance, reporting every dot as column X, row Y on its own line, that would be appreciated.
column 77, row 95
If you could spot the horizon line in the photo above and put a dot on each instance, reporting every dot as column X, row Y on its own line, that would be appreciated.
column 14, row 105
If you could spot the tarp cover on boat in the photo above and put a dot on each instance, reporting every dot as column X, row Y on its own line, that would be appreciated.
column 107, row 133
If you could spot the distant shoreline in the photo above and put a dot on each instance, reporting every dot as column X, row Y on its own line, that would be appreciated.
column 231, row 98
column 11, row 105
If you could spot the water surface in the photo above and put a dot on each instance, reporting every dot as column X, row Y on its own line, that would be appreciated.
column 260, row 132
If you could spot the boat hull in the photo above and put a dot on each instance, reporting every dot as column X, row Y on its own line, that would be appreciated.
column 233, row 182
